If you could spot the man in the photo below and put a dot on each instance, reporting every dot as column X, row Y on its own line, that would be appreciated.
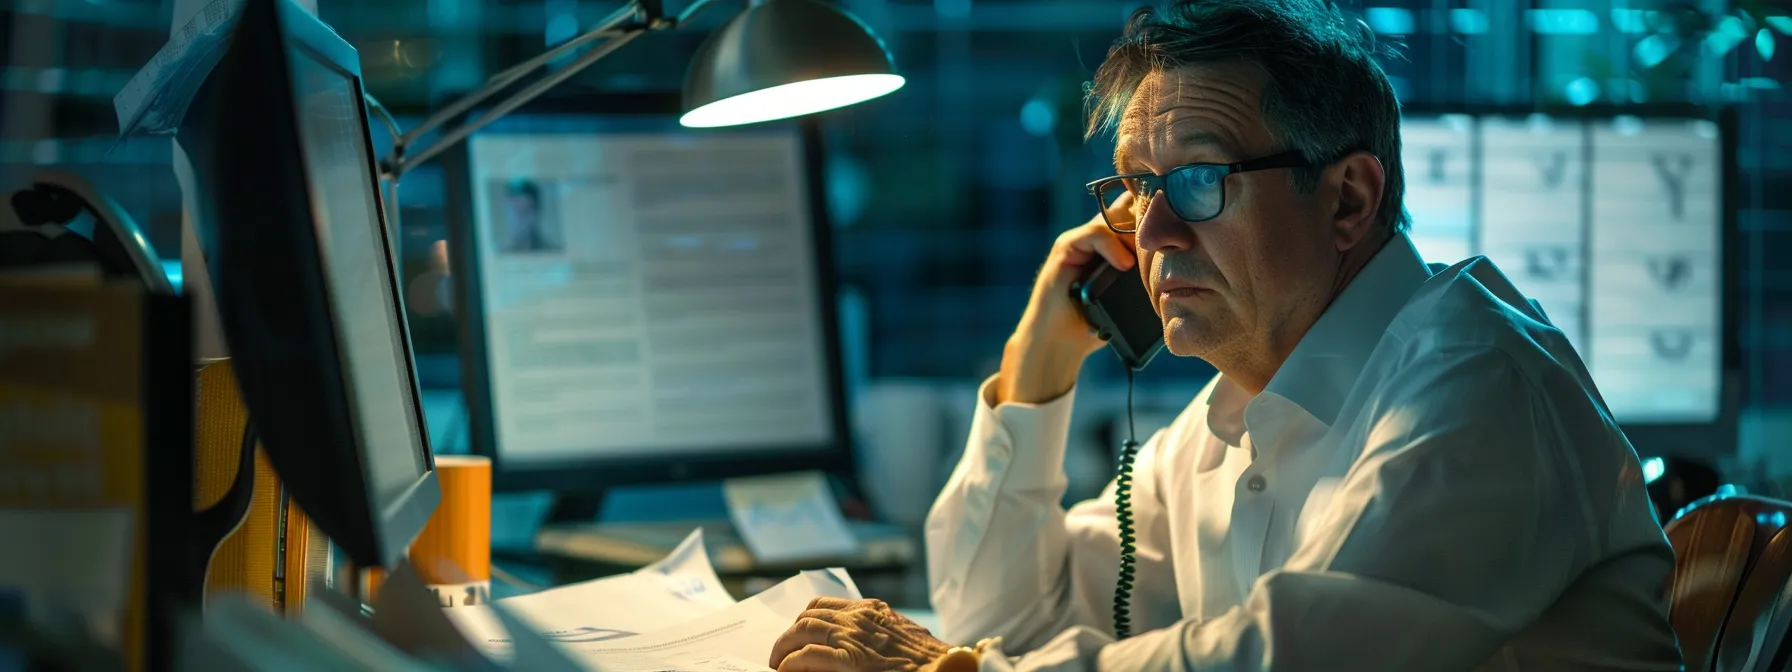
column 522, row 209
column 1399, row 467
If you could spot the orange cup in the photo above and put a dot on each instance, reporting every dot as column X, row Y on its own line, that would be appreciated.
column 453, row 554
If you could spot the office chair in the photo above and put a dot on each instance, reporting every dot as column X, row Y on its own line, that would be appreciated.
column 1730, row 601
column 43, row 225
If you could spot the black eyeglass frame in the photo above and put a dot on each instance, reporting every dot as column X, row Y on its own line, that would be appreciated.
column 1154, row 183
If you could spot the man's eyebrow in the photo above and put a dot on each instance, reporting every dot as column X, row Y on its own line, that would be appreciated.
column 1121, row 157
column 1202, row 138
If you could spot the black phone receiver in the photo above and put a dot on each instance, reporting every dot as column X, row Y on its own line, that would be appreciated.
column 1118, row 307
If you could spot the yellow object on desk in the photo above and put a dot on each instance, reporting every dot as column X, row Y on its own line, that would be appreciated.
column 273, row 554
column 453, row 554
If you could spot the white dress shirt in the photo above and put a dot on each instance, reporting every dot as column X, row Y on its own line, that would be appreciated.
column 1430, row 482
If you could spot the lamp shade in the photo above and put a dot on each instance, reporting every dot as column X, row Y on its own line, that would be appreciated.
column 785, row 58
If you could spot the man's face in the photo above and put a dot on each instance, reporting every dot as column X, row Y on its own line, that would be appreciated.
column 1227, row 288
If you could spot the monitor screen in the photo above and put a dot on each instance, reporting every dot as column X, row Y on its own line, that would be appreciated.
column 1656, row 290
column 1437, row 155
column 647, row 292
column 1534, row 173
column 1614, row 225
column 338, row 165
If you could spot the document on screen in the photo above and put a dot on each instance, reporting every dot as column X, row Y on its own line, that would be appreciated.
column 606, row 281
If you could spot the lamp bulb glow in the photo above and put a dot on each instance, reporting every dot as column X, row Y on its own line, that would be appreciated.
column 791, row 100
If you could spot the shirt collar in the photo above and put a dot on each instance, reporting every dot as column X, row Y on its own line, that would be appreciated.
column 1330, row 357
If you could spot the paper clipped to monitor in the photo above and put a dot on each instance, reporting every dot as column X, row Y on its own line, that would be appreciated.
column 789, row 518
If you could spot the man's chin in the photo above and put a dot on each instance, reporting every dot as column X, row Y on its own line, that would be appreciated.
column 1188, row 337
column 1181, row 348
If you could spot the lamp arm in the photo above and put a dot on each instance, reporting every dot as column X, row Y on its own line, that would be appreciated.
column 691, row 11
column 610, row 26
column 621, row 27
column 401, row 163
column 384, row 115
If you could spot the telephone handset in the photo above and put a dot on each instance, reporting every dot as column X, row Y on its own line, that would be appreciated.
column 1118, row 307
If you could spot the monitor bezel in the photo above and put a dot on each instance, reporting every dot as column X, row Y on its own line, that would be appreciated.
column 1716, row 438
column 595, row 475
column 269, row 278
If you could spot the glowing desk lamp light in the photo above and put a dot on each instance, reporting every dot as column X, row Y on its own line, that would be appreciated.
column 776, row 60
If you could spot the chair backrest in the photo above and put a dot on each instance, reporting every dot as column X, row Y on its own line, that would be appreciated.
column 1731, row 601
column 42, row 225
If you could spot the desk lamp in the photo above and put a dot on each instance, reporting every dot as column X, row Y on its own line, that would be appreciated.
column 776, row 60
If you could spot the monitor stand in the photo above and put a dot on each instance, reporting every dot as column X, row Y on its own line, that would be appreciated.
column 576, row 508
column 581, row 548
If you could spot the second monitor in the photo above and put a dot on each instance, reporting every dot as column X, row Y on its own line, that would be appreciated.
column 642, row 302
column 1620, row 226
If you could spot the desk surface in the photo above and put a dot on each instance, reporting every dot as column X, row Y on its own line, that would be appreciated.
column 611, row 547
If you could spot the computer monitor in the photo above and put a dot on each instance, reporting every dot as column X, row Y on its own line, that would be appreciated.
column 642, row 302
column 1618, row 224
column 295, row 243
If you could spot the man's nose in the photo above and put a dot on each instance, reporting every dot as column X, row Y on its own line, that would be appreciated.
column 1161, row 230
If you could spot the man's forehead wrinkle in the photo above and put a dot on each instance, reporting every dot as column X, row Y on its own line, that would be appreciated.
column 1214, row 97
column 1232, row 80
column 1203, row 107
column 1136, row 121
column 1196, row 138
column 1134, row 116
column 1186, row 126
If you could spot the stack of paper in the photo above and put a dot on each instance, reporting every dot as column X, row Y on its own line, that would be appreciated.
column 671, row 615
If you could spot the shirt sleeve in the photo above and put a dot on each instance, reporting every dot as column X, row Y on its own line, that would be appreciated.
column 1004, row 557
column 1471, row 509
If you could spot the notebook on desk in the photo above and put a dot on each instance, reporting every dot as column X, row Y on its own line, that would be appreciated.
column 627, row 544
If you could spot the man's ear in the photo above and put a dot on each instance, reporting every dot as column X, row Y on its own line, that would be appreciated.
column 1360, row 180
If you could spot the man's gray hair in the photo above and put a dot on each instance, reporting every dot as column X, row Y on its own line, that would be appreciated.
column 1323, row 93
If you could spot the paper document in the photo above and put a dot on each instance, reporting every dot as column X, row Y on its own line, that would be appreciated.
column 789, row 517
column 155, row 99
column 736, row 639
column 408, row 615
column 678, row 588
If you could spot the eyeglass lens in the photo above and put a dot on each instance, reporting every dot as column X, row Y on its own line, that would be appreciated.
column 1196, row 193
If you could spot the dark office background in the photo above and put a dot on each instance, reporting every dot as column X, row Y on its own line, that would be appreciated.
column 946, row 195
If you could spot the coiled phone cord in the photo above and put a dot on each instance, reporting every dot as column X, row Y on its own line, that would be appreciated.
column 1129, row 450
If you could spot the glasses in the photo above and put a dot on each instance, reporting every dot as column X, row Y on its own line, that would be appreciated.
column 1196, row 192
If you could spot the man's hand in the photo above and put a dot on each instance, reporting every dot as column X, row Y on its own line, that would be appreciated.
column 1047, row 349
column 837, row 635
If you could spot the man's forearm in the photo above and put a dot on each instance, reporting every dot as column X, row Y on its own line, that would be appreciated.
column 1033, row 372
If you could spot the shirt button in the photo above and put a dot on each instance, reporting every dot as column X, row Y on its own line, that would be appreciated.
column 1256, row 484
